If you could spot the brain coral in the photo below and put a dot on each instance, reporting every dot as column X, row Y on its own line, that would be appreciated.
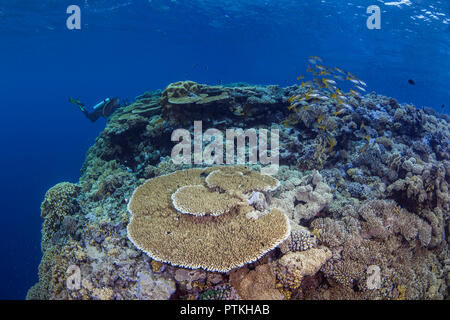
column 216, row 243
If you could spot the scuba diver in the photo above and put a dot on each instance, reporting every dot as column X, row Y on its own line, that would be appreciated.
column 104, row 108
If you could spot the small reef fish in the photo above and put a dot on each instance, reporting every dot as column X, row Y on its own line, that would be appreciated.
column 319, row 119
column 321, row 68
column 293, row 98
column 328, row 81
column 355, row 93
column 311, row 96
column 323, row 87
column 314, row 59
column 360, row 88
column 338, row 112
column 324, row 73
column 362, row 83
column 323, row 98
column 293, row 106
column 339, row 70
column 353, row 80
column 346, row 105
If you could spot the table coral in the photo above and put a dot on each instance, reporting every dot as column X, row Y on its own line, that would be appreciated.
column 179, row 96
column 214, row 243
column 241, row 181
column 200, row 201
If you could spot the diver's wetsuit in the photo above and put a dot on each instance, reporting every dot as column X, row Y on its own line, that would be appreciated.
column 104, row 108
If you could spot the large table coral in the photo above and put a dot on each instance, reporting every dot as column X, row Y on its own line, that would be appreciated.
column 218, row 241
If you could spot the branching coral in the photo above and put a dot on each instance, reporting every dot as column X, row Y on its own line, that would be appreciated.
column 379, row 232
column 301, row 240
column 59, row 202
column 305, row 198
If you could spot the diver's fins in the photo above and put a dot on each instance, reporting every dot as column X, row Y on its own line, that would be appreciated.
column 78, row 103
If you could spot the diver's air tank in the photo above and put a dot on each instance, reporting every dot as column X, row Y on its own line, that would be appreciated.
column 102, row 104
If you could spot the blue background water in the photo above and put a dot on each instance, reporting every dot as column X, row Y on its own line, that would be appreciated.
column 127, row 47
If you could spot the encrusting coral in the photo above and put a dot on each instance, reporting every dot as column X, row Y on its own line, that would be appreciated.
column 179, row 96
column 294, row 266
column 313, row 195
column 216, row 243
column 258, row 284
column 302, row 199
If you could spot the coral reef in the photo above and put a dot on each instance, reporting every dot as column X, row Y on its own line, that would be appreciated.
column 361, row 188
column 219, row 241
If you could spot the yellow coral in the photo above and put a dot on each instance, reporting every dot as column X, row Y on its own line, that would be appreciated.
column 401, row 292
column 156, row 266
column 316, row 232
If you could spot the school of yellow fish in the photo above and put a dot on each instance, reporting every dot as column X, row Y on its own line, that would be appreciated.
column 324, row 87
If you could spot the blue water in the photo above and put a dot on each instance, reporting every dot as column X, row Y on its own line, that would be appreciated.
column 127, row 47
